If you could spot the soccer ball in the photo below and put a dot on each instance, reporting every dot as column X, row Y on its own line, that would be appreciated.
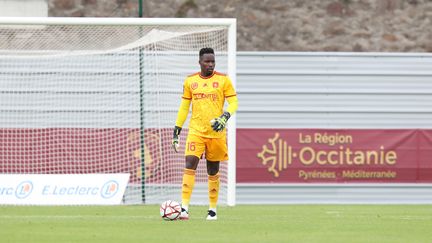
column 170, row 210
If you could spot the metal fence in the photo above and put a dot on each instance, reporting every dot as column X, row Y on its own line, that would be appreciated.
column 334, row 90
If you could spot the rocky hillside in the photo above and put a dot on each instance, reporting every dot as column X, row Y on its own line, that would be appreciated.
column 289, row 25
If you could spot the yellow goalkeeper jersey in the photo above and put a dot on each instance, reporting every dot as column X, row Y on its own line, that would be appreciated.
column 207, row 95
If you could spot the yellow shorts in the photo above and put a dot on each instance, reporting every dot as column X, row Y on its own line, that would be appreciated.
column 215, row 149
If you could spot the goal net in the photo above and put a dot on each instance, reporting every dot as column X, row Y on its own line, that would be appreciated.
column 96, row 95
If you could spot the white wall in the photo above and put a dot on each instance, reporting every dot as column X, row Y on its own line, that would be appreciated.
column 334, row 90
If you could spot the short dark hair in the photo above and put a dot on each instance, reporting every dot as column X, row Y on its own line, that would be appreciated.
column 206, row 50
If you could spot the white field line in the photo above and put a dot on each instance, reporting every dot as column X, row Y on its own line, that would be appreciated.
column 409, row 217
column 74, row 217
column 404, row 217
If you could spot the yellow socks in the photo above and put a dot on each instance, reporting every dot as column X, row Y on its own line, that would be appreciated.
column 213, row 188
column 187, row 187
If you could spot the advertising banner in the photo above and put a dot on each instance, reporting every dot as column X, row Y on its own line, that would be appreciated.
column 68, row 189
column 334, row 156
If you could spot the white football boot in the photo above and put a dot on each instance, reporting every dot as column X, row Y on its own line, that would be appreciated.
column 211, row 215
column 184, row 215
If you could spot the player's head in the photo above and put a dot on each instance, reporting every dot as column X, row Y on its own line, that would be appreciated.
column 207, row 61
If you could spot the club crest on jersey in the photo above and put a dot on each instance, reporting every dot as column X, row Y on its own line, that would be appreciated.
column 194, row 85
column 215, row 85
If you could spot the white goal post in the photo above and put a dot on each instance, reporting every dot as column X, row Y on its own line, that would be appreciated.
column 100, row 95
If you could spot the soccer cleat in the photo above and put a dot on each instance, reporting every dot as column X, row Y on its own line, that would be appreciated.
column 211, row 215
column 184, row 215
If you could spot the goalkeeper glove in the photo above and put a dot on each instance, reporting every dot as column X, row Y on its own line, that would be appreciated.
column 218, row 124
column 175, row 140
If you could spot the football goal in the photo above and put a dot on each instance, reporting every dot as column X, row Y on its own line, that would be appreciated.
column 100, row 95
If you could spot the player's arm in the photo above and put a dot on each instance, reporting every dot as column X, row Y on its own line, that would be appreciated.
column 181, row 118
column 232, row 104
column 182, row 114
column 218, row 124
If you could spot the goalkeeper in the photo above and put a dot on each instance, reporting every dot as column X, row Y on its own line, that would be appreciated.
column 206, row 91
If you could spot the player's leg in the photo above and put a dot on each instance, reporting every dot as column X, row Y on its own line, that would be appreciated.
column 213, row 187
column 194, row 149
column 188, row 183
column 216, row 151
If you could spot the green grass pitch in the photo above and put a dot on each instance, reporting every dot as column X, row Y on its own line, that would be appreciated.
column 264, row 223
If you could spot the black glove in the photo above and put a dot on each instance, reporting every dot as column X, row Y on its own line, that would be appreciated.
column 219, row 124
column 175, row 140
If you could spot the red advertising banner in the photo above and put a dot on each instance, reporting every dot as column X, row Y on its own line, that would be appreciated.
column 263, row 155
column 334, row 156
column 88, row 150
